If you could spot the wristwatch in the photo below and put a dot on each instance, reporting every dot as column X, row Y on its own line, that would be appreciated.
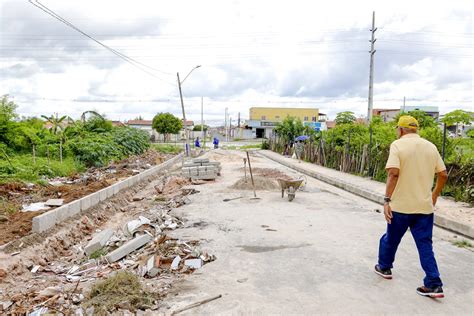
column 387, row 199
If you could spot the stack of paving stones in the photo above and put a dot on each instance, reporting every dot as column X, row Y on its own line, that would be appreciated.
column 201, row 169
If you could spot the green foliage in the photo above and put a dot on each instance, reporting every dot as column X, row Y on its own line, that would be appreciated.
column 24, row 168
column 463, row 243
column 167, row 149
column 97, row 124
column 458, row 117
column 197, row 128
column 289, row 128
column 346, row 117
column 95, row 150
column 132, row 141
column 7, row 109
column 435, row 135
column 167, row 123
column 265, row 145
column 424, row 120
column 470, row 133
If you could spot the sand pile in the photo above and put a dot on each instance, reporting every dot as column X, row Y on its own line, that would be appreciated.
column 261, row 183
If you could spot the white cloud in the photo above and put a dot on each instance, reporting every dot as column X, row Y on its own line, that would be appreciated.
column 269, row 53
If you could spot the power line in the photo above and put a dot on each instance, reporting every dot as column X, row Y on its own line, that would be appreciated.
column 120, row 55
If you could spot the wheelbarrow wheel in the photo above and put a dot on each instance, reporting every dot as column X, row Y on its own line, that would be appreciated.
column 291, row 193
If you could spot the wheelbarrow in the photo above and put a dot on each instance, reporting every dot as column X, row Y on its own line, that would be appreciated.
column 290, row 186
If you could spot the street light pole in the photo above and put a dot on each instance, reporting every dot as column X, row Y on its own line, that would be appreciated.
column 182, row 108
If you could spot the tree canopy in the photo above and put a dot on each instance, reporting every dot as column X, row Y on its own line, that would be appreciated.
column 346, row 117
column 458, row 117
column 289, row 128
column 167, row 123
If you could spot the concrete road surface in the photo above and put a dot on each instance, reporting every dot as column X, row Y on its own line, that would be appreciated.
column 314, row 255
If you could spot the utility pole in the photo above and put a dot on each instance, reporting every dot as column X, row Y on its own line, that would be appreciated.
column 238, row 120
column 403, row 104
column 202, row 120
column 371, row 75
column 186, row 148
column 230, row 128
column 225, row 124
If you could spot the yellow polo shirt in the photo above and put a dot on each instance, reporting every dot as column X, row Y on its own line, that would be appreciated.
column 418, row 160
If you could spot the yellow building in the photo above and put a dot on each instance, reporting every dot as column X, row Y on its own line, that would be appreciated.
column 278, row 114
column 263, row 120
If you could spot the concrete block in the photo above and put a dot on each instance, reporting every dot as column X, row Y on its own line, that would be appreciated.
column 153, row 265
column 85, row 203
column 54, row 202
column 128, row 247
column 98, row 241
column 109, row 191
column 200, row 160
column 74, row 207
column 95, row 198
column 133, row 180
column 115, row 188
column 103, row 194
column 193, row 263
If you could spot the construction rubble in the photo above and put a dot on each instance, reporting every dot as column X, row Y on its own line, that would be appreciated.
column 141, row 246
column 201, row 169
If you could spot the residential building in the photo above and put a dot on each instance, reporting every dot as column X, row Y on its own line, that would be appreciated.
column 145, row 125
column 432, row 111
column 263, row 120
column 387, row 115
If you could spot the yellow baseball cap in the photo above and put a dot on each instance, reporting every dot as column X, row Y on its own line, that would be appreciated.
column 407, row 121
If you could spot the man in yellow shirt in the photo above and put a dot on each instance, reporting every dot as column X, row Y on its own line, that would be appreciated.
column 409, row 202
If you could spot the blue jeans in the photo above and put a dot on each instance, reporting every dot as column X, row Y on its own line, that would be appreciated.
column 421, row 227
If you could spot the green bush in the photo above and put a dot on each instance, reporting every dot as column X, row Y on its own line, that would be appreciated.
column 95, row 150
column 131, row 141
column 24, row 168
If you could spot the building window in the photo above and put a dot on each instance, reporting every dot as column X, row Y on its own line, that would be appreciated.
column 277, row 117
column 264, row 117
column 306, row 119
column 314, row 119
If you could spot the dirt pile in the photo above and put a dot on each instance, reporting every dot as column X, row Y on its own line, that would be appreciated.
column 267, row 172
column 261, row 183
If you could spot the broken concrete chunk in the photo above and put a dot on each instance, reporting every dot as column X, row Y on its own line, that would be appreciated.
column 132, row 226
column 54, row 202
column 128, row 247
column 34, row 207
column 98, row 241
column 193, row 263
column 153, row 265
column 35, row 269
column 175, row 263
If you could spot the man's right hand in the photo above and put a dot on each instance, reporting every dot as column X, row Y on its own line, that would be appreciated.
column 434, row 198
column 387, row 212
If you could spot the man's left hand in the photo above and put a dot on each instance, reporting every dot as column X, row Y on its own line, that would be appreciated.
column 387, row 212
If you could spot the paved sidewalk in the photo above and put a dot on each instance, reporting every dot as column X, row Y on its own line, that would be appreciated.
column 455, row 216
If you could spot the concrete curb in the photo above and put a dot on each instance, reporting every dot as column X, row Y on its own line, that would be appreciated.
column 440, row 221
column 49, row 219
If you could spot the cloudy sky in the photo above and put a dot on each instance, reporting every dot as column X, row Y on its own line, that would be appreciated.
column 253, row 53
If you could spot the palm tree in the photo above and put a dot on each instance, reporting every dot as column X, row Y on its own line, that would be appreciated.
column 57, row 128
column 92, row 113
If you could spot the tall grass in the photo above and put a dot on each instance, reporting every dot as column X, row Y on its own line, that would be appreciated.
column 23, row 167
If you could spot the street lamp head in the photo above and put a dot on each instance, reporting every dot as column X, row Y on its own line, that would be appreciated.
column 198, row 66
